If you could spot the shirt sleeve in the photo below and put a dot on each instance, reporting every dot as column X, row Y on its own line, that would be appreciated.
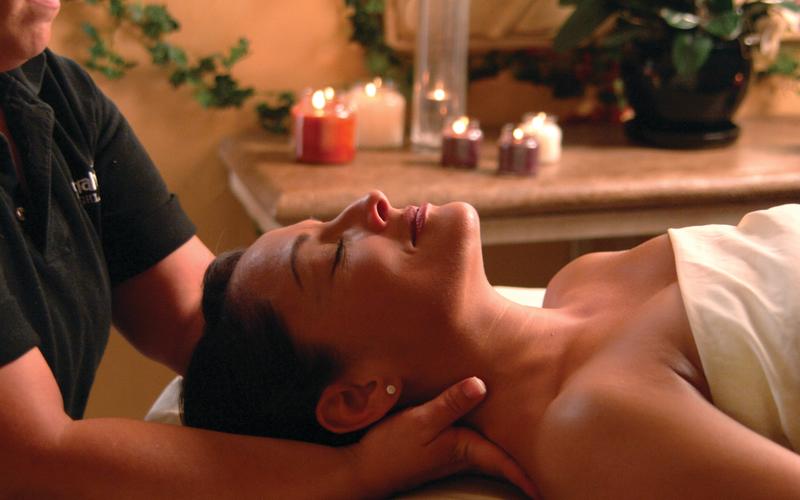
column 141, row 221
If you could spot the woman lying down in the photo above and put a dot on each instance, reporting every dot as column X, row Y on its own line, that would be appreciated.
column 671, row 370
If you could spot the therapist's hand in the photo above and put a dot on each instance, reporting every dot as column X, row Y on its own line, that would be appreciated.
column 421, row 444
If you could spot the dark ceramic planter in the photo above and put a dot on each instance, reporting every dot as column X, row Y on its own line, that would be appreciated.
column 677, row 111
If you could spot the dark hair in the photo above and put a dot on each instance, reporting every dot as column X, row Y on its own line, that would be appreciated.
column 246, row 376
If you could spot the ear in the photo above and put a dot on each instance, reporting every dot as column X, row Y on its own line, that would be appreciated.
column 347, row 406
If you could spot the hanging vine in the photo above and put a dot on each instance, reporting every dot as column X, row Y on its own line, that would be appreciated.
column 209, row 76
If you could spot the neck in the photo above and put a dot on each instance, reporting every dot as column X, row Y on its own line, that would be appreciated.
column 516, row 350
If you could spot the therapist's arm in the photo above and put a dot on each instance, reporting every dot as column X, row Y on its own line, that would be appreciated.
column 45, row 454
column 158, row 311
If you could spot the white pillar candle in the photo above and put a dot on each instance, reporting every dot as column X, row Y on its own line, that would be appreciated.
column 544, row 128
column 381, row 113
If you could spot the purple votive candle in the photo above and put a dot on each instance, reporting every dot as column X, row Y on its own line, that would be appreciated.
column 518, row 153
column 461, row 143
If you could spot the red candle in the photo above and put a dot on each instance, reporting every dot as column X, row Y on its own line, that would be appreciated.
column 461, row 142
column 324, row 129
column 518, row 152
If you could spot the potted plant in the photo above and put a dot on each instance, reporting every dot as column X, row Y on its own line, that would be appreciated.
column 685, row 64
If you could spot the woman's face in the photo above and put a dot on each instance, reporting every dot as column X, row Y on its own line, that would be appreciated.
column 372, row 281
column 24, row 29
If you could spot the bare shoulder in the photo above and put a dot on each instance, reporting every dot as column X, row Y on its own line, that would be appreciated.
column 648, row 266
column 639, row 439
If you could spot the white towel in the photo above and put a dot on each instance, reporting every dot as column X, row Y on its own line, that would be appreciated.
column 741, row 289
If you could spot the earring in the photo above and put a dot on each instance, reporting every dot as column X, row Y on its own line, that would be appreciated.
column 390, row 389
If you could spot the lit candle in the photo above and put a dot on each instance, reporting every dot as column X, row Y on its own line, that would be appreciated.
column 461, row 142
column 544, row 128
column 518, row 152
column 381, row 115
column 324, row 129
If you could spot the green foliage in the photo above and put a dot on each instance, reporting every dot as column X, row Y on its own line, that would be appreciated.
column 208, row 76
column 696, row 24
column 584, row 21
column 274, row 114
column 366, row 20
column 786, row 64
column 102, row 58
column 690, row 51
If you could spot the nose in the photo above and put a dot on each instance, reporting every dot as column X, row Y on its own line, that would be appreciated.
column 370, row 212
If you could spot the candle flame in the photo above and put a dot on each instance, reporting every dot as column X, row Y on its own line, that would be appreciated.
column 460, row 125
column 538, row 120
column 518, row 134
column 318, row 99
column 329, row 93
column 439, row 94
column 370, row 89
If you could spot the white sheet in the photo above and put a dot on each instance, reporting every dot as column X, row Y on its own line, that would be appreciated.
column 744, row 312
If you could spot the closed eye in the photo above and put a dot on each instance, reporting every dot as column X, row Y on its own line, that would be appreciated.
column 337, row 258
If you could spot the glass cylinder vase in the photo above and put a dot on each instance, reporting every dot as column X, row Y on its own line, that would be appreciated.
column 440, row 69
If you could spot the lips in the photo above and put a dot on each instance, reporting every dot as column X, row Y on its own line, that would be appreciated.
column 417, row 221
column 47, row 4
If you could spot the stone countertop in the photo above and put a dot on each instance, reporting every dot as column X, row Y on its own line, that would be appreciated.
column 599, row 171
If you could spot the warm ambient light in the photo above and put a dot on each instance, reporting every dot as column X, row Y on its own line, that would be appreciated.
column 439, row 95
column 318, row 100
column 329, row 93
column 370, row 89
column 538, row 120
column 460, row 125
column 518, row 134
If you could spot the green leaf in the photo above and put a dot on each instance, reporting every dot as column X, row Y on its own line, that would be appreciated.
column 679, row 20
column 236, row 52
column 91, row 31
column 377, row 62
column 117, row 9
column 374, row 7
column 159, row 53
column 789, row 4
column 157, row 21
column 205, row 65
column 720, row 6
column 690, row 52
column 727, row 25
column 580, row 25
column 178, row 77
column 136, row 13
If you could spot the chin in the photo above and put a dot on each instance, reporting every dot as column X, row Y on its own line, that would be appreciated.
column 18, row 51
column 455, row 240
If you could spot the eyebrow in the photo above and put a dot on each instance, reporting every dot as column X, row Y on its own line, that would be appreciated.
column 293, row 257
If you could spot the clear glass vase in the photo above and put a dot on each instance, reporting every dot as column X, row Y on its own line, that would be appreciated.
column 440, row 69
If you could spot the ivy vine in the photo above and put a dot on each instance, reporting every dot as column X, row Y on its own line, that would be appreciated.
column 208, row 76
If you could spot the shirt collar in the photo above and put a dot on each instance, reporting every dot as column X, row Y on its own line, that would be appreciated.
column 31, row 73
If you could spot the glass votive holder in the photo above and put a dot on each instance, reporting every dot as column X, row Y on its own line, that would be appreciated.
column 518, row 152
column 461, row 142
column 324, row 128
column 544, row 128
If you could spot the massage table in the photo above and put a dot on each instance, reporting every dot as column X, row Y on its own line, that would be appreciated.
column 166, row 410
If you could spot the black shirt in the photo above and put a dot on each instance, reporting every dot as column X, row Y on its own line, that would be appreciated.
column 93, row 211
